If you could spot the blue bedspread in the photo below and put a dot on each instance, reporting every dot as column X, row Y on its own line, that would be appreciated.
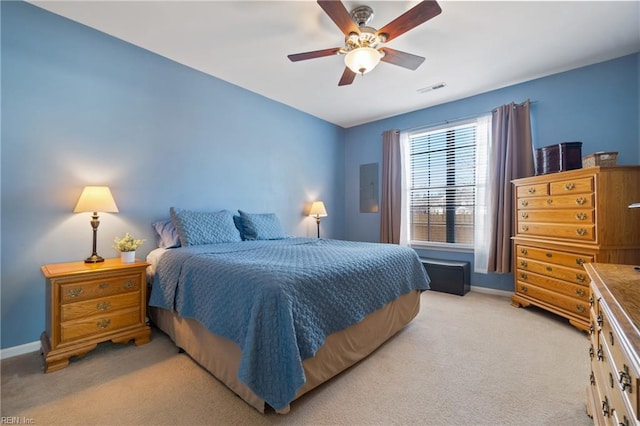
column 279, row 300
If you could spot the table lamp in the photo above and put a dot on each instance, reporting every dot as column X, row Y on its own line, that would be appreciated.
column 317, row 210
column 95, row 199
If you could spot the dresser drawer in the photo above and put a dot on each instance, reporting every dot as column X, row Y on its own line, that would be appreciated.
column 574, row 260
column 569, row 304
column 557, row 202
column 100, row 324
column 577, row 276
column 557, row 216
column 619, row 402
column 84, row 290
column 581, row 232
column 70, row 311
column 577, row 291
column 571, row 186
column 626, row 379
column 533, row 190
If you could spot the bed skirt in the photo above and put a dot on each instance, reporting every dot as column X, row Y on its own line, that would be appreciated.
column 221, row 356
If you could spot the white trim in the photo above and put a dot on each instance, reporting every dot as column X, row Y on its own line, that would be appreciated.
column 19, row 350
column 493, row 291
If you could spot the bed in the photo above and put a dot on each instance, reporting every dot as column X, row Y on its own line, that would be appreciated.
column 274, row 318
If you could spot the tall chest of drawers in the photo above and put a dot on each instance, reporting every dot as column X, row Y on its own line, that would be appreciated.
column 567, row 219
column 91, row 303
column 614, row 381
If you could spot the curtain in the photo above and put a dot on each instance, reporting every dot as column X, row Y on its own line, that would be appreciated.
column 509, row 156
column 391, row 200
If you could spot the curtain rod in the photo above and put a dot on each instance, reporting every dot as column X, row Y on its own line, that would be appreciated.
column 459, row 119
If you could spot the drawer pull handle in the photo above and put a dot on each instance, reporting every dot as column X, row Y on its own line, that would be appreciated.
column 580, row 308
column 103, row 323
column 524, row 203
column 605, row 407
column 129, row 284
column 580, row 292
column 611, row 338
column 523, row 251
column 548, row 254
column 549, row 269
column 624, row 422
column 581, row 231
column 592, row 328
column 523, row 289
column 600, row 353
column 581, row 200
column 525, row 215
column 523, row 276
column 599, row 320
column 581, row 278
column 525, row 228
column 523, row 263
column 103, row 286
column 611, row 380
column 625, row 379
column 591, row 301
column 580, row 261
column 549, row 201
column 592, row 379
column 591, row 352
column 74, row 292
column 532, row 190
column 569, row 186
column 103, row 306
column 581, row 216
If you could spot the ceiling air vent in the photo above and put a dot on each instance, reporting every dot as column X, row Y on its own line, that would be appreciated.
column 432, row 87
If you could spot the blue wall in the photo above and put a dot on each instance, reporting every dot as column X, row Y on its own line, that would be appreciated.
column 598, row 105
column 80, row 107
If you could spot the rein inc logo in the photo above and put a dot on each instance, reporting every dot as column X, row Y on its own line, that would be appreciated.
column 15, row 420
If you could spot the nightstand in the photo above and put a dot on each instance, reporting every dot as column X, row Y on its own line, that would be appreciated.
column 90, row 303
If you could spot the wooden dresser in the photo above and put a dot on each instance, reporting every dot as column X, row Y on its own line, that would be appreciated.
column 613, row 393
column 567, row 219
column 89, row 303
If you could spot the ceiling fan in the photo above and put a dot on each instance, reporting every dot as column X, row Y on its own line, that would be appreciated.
column 361, row 41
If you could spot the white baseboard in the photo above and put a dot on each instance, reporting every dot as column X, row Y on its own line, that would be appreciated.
column 493, row 291
column 19, row 350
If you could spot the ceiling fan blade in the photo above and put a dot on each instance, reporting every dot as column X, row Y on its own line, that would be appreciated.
column 339, row 14
column 347, row 77
column 402, row 59
column 415, row 16
column 314, row 54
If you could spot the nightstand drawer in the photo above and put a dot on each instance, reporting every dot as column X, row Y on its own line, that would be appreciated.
column 87, row 327
column 98, row 288
column 100, row 306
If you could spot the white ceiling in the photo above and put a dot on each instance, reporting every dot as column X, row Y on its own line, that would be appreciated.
column 472, row 46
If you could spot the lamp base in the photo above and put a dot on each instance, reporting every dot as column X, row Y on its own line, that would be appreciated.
column 94, row 259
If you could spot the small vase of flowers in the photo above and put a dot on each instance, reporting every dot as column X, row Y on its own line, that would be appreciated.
column 127, row 246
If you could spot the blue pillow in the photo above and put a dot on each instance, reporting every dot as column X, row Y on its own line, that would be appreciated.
column 198, row 228
column 260, row 226
column 168, row 237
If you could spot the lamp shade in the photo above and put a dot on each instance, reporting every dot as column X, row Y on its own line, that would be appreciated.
column 362, row 60
column 96, row 199
column 317, row 209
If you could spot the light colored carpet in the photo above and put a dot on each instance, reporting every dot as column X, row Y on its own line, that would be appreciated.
column 472, row 360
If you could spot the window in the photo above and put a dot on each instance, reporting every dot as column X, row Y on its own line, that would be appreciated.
column 442, row 184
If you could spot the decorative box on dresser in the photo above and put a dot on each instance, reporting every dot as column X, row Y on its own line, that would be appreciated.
column 567, row 219
column 613, row 392
column 90, row 303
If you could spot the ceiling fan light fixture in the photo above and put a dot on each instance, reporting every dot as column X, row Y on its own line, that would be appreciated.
column 362, row 60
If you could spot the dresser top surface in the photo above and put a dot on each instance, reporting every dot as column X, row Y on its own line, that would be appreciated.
column 623, row 284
